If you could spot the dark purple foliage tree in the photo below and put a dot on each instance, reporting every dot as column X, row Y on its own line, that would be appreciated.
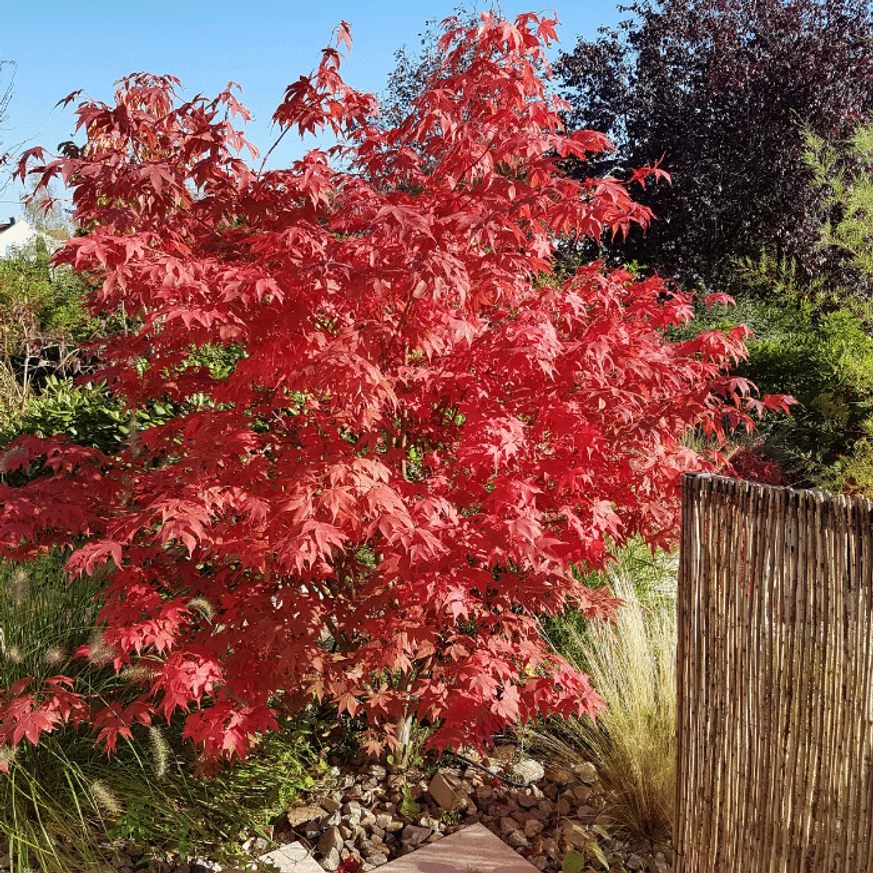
column 720, row 89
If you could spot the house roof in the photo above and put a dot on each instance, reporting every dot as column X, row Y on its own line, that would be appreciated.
column 15, row 222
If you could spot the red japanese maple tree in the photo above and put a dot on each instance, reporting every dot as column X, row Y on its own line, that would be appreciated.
column 424, row 430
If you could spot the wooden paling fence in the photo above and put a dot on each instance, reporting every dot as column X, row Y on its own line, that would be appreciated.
column 775, row 681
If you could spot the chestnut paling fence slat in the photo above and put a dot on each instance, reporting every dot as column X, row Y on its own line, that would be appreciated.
column 775, row 681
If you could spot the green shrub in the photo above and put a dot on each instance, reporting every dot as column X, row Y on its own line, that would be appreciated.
column 65, row 806
column 85, row 414
column 43, row 321
column 813, row 337
column 842, row 175
column 824, row 358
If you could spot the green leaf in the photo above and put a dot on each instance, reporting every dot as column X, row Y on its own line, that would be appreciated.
column 574, row 862
column 410, row 807
column 601, row 831
column 599, row 855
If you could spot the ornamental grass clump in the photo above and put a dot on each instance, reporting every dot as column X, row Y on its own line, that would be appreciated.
column 65, row 807
column 631, row 662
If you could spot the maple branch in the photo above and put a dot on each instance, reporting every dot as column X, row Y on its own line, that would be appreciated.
column 401, row 321
column 272, row 149
column 328, row 596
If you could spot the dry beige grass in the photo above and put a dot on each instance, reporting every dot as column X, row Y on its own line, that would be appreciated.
column 632, row 664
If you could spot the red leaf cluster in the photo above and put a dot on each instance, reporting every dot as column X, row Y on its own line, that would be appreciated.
column 424, row 432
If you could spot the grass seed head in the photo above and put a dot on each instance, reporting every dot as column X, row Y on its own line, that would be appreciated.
column 13, row 654
column 55, row 656
column 19, row 586
column 7, row 756
column 105, row 801
column 160, row 751
column 137, row 673
column 101, row 652
column 203, row 606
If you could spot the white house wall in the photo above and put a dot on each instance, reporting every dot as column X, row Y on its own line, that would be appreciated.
column 19, row 236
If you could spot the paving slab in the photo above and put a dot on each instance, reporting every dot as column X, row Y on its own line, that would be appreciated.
column 471, row 850
column 292, row 858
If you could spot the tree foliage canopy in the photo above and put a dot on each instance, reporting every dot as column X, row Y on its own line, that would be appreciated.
column 418, row 431
column 719, row 90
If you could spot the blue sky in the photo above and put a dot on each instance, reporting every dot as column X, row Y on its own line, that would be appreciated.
column 59, row 47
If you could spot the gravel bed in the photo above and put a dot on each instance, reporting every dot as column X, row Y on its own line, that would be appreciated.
column 372, row 816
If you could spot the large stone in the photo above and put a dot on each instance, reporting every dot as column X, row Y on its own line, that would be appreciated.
column 517, row 840
column 352, row 810
column 532, row 827
column 332, row 838
column 471, row 849
column 559, row 777
column 587, row 772
column 331, row 861
column 414, row 836
column 443, row 793
column 575, row 833
column 527, row 801
column 546, row 806
column 563, row 806
column 588, row 814
column 528, row 771
column 484, row 792
column 582, row 793
column 302, row 814
column 293, row 858
column 550, row 847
